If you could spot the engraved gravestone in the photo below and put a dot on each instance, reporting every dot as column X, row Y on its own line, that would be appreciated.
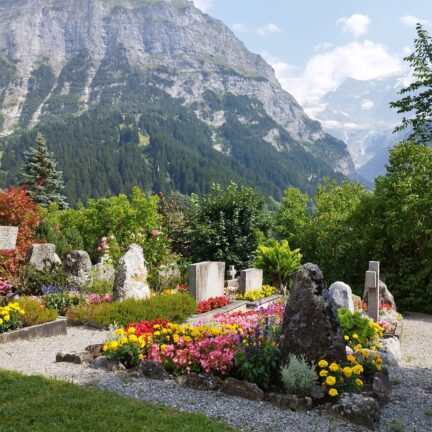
column 8, row 237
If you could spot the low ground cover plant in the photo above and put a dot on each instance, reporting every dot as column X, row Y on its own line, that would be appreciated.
column 175, row 308
column 298, row 376
column 35, row 311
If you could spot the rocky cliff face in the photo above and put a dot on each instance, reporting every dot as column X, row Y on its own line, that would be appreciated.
column 63, row 57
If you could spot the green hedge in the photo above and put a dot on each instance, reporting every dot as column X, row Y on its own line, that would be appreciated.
column 174, row 308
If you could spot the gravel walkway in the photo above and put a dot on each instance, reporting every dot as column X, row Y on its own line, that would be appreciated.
column 37, row 356
column 411, row 405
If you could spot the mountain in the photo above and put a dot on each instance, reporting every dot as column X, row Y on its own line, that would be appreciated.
column 154, row 93
column 358, row 113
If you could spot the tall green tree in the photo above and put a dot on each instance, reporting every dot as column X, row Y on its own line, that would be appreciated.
column 227, row 224
column 44, row 182
column 416, row 101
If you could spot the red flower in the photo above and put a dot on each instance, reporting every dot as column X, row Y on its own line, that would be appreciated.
column 213, row 303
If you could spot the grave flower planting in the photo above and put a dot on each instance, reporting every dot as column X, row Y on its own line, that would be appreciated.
column 258, row 294
column 213, row 303
column 10, row 317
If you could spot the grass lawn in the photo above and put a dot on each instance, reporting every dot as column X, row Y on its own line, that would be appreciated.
column 37, row 404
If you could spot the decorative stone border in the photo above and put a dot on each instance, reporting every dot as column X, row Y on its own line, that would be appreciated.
column 52, row 328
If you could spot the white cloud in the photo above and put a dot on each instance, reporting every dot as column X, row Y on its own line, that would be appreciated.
column 356, row 24
column 412, row 21
column 204, row 5
column 325, row 71
column 269, row 29
column 240, row 28
column 366, row 104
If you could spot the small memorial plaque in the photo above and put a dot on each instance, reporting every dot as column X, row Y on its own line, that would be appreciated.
column 8, row 237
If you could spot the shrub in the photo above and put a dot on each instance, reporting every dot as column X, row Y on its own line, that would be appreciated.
column 278, row 261
column 32, row 280
column 298, row 376
column 175, row 308
column 358, row 329
column 98, row 287
column 35, row 312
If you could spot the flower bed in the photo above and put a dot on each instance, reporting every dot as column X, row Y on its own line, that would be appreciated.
column 213, row 303
column 258, row 294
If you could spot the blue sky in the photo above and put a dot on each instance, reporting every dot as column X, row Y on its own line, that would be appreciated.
column 314, row 45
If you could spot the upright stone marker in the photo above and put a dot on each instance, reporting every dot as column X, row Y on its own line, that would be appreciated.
column 231, row 272
column 43, row 256
column 250, row 279
column 8, row 237
column 206, row 279
column 371, row 286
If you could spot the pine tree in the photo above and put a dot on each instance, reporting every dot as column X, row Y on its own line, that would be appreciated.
column 43, row 181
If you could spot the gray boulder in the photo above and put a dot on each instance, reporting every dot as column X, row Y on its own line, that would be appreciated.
column 78, row 264
column 310, row 324
column 386, row 297
column 43, row 256
column 131, row 276
column 342, row 295
column 360, row 409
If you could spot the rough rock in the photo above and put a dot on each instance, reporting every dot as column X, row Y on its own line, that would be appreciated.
column 318, row 393
column 76, row 357
column 43, row 256
column 392, row 347
column 235, row 387
column 150, row 369
column 95, row 350
column 107, row 364
column 310, row 323
column 201, row 381
column 342, row 295
column 381, row 387
column 131, row 276
column 103, row 271
column 292, row 402
column 357, row 300
column 386, row 297
column 79, row 265
column 358, row 408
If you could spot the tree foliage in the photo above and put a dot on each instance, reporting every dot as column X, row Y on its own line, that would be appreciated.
column 227, row 224
column 18, row 209
column 417, row 97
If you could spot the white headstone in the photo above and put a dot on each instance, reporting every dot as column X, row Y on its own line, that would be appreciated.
column 8, row 237
column 250, row 279
column 206, row 280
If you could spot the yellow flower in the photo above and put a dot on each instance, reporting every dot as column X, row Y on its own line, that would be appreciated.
column 105, row 347
column 120, row 331
column 358, row 348
column 355, row 336
column 333, row 392
column 359, row 382
column 141, row 356
column 131, row 330
column 378, row 368
column 323, row 373
column 133, row 338
column 113, row 345
column 6, row 317
column 346, row 338
column 357, row 369
column 351, row 358
column 365, row 353
column 330, row 381
column 347, row 371
column 322, row 364
column 157, row 333
column 334, row 367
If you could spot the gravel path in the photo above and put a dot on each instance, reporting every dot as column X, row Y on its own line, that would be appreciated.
column 411, row 404
column 37, row 356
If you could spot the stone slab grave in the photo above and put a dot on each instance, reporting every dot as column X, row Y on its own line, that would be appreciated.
column 8, row 237
column 372, row 289
column 250, row 279
column 206, row 280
